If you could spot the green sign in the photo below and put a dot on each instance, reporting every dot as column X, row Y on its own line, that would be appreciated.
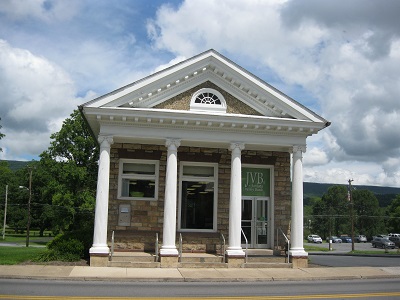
column 256, row 182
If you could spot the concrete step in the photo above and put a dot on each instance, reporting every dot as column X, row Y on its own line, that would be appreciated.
column 201, row 258
column 258, row 265
column 143, row 259
column 133, row 256
column 266, row 259
column 133, row 264
column 210, row 265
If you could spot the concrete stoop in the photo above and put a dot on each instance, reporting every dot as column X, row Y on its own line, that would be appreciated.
column 195, row 260
column 201, row 260
column 267, row 261
column 133, row 260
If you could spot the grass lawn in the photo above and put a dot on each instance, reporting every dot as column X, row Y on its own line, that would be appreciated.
column 308, row 248
column 20, row 240
column 16, row 255
column 373, row 252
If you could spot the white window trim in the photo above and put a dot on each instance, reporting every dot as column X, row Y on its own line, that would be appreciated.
column 208, row 107
column 197, row 178
column 155, row 177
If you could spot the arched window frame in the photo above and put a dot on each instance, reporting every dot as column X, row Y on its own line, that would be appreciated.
column 208, row 107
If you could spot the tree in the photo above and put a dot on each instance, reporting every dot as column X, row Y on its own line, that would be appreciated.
column 334, row 211
column 368, row 214
column 71, row 163
column 394, row 215
column 1, row 136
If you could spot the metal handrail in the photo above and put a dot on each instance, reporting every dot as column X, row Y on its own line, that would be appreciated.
column 112, row 245
column 247, row 246
column 156, row 247
column 180, row 248
column 222, row 245
column 288, row 243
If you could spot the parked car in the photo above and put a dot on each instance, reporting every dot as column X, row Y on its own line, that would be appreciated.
column 345, row 238
column 394, row 235
column 313, row 238
column 360, row 239
column 381, row 236
column 334, row 239
column 380, row 242
column 395, row 240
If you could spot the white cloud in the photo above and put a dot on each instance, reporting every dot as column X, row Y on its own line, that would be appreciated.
column 315, row 156
column 345, row 55
column 36, row 96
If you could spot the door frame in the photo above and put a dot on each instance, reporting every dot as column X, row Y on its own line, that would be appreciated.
column 253, row 222
column 271, row 207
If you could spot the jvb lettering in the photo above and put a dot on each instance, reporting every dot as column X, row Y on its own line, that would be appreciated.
column 254, row 179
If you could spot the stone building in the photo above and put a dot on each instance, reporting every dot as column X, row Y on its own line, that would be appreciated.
column 203, row 149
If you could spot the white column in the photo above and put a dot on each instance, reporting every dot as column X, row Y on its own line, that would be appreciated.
column 296, row 238
column 171, row 181
column 235, row 203
column 101, row 212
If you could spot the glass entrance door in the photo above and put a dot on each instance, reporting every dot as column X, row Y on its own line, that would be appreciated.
column 255, row 216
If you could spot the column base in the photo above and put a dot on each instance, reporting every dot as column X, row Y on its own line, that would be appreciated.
column 299, row 261
column 99, row 249
column 169, row 251
column 98, row 260
column 169, row 261
column 235, row 252
column 235, row 257
column 99, row 255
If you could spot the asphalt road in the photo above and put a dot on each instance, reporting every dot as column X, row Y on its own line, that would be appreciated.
column 333, row 289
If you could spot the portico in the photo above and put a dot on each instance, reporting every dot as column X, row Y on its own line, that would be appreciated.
column 176, row 149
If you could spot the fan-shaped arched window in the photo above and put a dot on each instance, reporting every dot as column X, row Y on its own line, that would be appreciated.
column 208, row 100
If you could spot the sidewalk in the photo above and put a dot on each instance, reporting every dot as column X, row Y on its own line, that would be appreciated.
column 193, row 275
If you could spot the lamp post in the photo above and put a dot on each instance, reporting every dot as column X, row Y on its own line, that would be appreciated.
column 5, row 214
column 29, row 208
column 28, row 225
column 350, row 198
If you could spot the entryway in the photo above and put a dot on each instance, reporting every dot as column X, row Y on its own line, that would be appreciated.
column 255, row 225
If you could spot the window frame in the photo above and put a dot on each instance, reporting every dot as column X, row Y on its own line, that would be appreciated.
column 204, row 107
column 154, row 177
column 183, row 177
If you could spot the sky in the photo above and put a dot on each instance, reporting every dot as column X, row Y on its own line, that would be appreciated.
column 339, row 58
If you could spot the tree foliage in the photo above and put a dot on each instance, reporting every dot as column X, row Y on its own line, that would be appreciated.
column 63, row 182
column 332, row 214
column 394, row 215
column 70, row 174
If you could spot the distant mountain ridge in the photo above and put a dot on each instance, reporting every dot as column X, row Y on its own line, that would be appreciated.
column 385, row 195
column 16, row 164
column 318, row 189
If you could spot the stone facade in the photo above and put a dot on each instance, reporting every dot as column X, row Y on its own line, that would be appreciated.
column 147, row 216
column 182, row 101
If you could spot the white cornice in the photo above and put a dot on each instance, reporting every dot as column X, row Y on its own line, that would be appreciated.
column 212, row 66
column 199, row 121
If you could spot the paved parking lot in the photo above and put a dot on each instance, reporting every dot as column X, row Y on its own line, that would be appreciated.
column 346, row 247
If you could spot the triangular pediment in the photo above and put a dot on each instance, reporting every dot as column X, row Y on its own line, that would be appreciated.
column 249, row 95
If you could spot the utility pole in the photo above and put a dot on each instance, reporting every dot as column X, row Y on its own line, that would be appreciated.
column 5, row 214
column 29, row 207
column 350, row 198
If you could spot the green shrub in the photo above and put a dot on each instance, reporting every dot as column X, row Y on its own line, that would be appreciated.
column 62, row 249
column 68, row 246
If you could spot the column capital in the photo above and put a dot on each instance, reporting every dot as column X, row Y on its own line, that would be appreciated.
column 172, row 143
column 297, row 148
column 236, row 145
column 105, row 139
